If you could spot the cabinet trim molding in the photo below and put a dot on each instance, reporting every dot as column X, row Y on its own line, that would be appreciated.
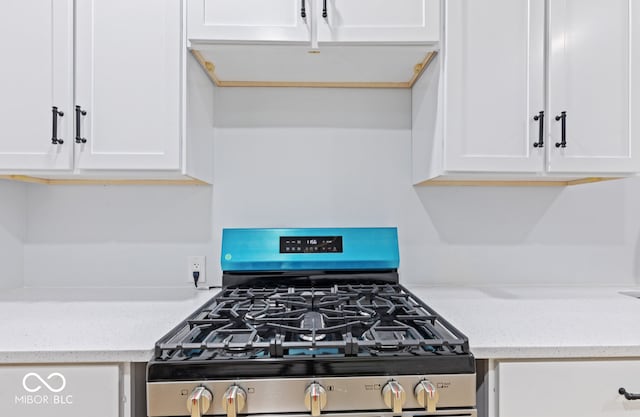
column 436, row 182
column 97, row 181
column 210, row 68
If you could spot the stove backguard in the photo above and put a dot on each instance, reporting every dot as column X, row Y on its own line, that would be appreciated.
column 310, row 249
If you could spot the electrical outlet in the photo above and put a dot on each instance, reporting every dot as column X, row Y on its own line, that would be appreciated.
column 196, row 264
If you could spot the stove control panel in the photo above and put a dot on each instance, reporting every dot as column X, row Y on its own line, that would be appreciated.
column 311, row 244
column 309, row 249
column 312, row 396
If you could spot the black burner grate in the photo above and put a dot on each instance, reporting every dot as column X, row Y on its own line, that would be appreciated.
column 350, row 320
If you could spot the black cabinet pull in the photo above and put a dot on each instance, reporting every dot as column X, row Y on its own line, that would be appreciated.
column 563, row 140
column 54, row 135
column 324, row 9
column 628, row 395
column 539, row 118
column 303, row 11
column 79, row 114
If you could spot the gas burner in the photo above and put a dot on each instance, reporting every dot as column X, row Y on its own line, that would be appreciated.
column 396, row 338
column 237, row 342
column 391, row 337
column 257, row 310
column 312, row 322
column 377, row 306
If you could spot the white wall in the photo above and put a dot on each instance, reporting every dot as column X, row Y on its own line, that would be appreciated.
column 295, row 158
column 115, row 235
column 13, row 226
column 573, row 235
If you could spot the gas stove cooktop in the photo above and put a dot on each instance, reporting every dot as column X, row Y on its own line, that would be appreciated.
column 289, row 321
column 302, row 306
column 342, row 329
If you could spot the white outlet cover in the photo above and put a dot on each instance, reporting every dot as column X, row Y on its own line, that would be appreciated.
column 196, row 263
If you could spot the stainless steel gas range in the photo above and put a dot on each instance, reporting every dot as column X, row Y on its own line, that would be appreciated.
column 312, row 322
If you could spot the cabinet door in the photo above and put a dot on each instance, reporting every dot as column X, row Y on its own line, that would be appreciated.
column 494, row 85
column 567, row 388
column 378, row 20
column 36, row 40
column 65, row 390
column 128, row 71
column 249, row 20
column 594, row 72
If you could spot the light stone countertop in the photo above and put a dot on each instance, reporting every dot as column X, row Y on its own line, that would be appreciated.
column 40, row 325
column 541, row 322
column 122, row 324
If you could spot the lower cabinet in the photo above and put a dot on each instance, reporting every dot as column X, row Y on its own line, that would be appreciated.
column 565, row 388
column 69, row 390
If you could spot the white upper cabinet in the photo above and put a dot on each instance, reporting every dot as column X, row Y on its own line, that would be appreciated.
column 249, row 20
column 513, row 74
column 116, row 72
column 313, row 43
column 128, row 72
column 594, row 72
column 380, row 21
column 36, row 43
column 311, row 21
column 494, row 85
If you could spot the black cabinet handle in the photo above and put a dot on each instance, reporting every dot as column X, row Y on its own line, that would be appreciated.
column 324, row 9
column 539, row 118
column 563, row 139
column 628, row 395
column 54, row 134
column 79, row 114
column 303, row 11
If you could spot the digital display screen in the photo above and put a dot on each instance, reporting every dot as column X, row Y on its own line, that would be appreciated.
column 310, row 244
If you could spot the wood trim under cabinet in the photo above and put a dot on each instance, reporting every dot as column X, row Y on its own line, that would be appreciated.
column 418, row 70
column 512, row 183
column 207, row 66
column 96, row 181
column 210, row 69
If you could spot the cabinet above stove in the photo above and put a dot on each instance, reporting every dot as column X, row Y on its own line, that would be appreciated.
column 314, row 43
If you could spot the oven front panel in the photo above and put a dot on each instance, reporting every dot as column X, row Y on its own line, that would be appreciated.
column 346, row 396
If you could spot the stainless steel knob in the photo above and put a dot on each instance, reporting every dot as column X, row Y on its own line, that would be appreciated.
column 199, row 401
column 394, row 396
column 233, row 400
column 427, row 395
column 315, row 398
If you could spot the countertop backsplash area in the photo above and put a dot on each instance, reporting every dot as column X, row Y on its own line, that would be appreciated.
column 577, row 235
column 293, row 165
column 141, row 236
column 13, row 229
column 116, row 236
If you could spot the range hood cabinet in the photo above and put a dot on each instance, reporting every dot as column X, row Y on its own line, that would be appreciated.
column 314, row 43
